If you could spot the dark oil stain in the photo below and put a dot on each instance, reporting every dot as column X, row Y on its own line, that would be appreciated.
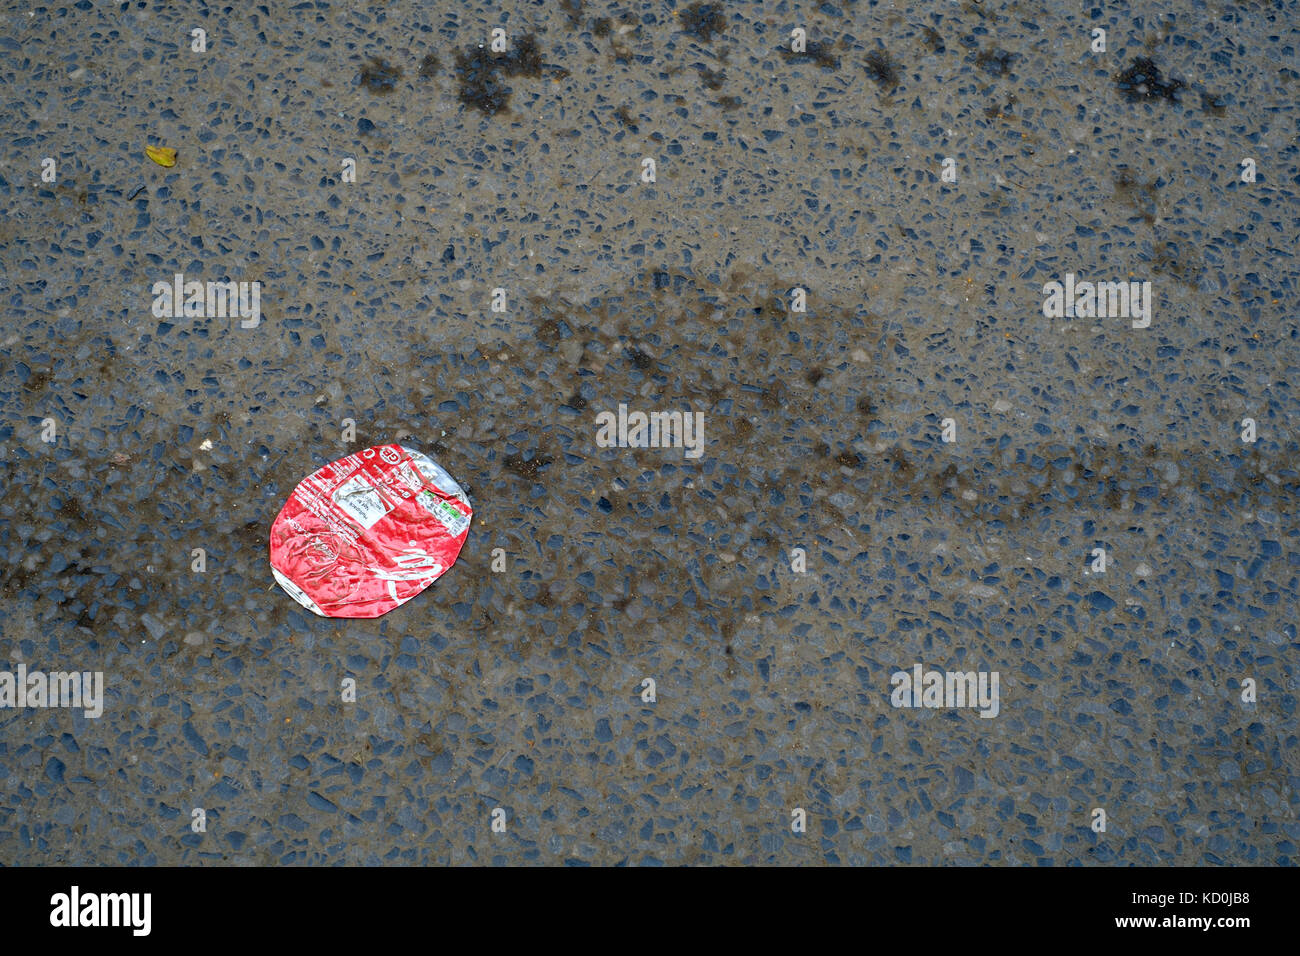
column 729, row 103
column 1113, row 483
column 817, row 52
column 1113, row 497
column 82, row 196
column 1213, row 105
column 940, row 481
column 624, row 116
column 639, row 359
column 1002, row 112
column 524, row 57
column 573, row 10
column 548, row 332
column 882, row 68
column 602, row 26
column 704, row 20
column 1142, row 81
column 773, row 308
column 902, row 464
column 71, row 508
column 994, row 60
column 254, row 535
column 17, row 579
column 429, row 66
column 380, row 76
column 1181, row 262
column 1136, row 193
column 814, row 375
column 482, row 73
column 712, row 79
column 37, row 381
column 932, row 39
column 774, row 396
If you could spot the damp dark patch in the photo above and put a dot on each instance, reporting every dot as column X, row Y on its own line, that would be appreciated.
column 729, row 103
column 816, row 52
column 849, row 459
column 994, row 60
column 1142, row 81
column 865, row 406
column 712, row 79
column 526, row 468
column 429, row 66
column 882, row 68
column 380, row 76
column 602, row 26
column 1213, row 104
column 482, row 73
column 814, row 375
column 704, row 20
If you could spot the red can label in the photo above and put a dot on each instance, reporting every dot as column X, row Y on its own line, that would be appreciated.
column 369, row 532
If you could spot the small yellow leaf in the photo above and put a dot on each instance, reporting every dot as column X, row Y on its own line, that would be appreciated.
column 162, row 155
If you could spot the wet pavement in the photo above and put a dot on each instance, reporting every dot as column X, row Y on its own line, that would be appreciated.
column 826, row 538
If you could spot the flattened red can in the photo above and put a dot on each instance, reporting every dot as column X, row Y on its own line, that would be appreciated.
column 369, row 532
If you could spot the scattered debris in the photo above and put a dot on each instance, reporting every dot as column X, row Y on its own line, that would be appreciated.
column 1142, row 81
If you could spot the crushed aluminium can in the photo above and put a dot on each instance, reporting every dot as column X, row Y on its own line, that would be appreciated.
column 368, row 532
